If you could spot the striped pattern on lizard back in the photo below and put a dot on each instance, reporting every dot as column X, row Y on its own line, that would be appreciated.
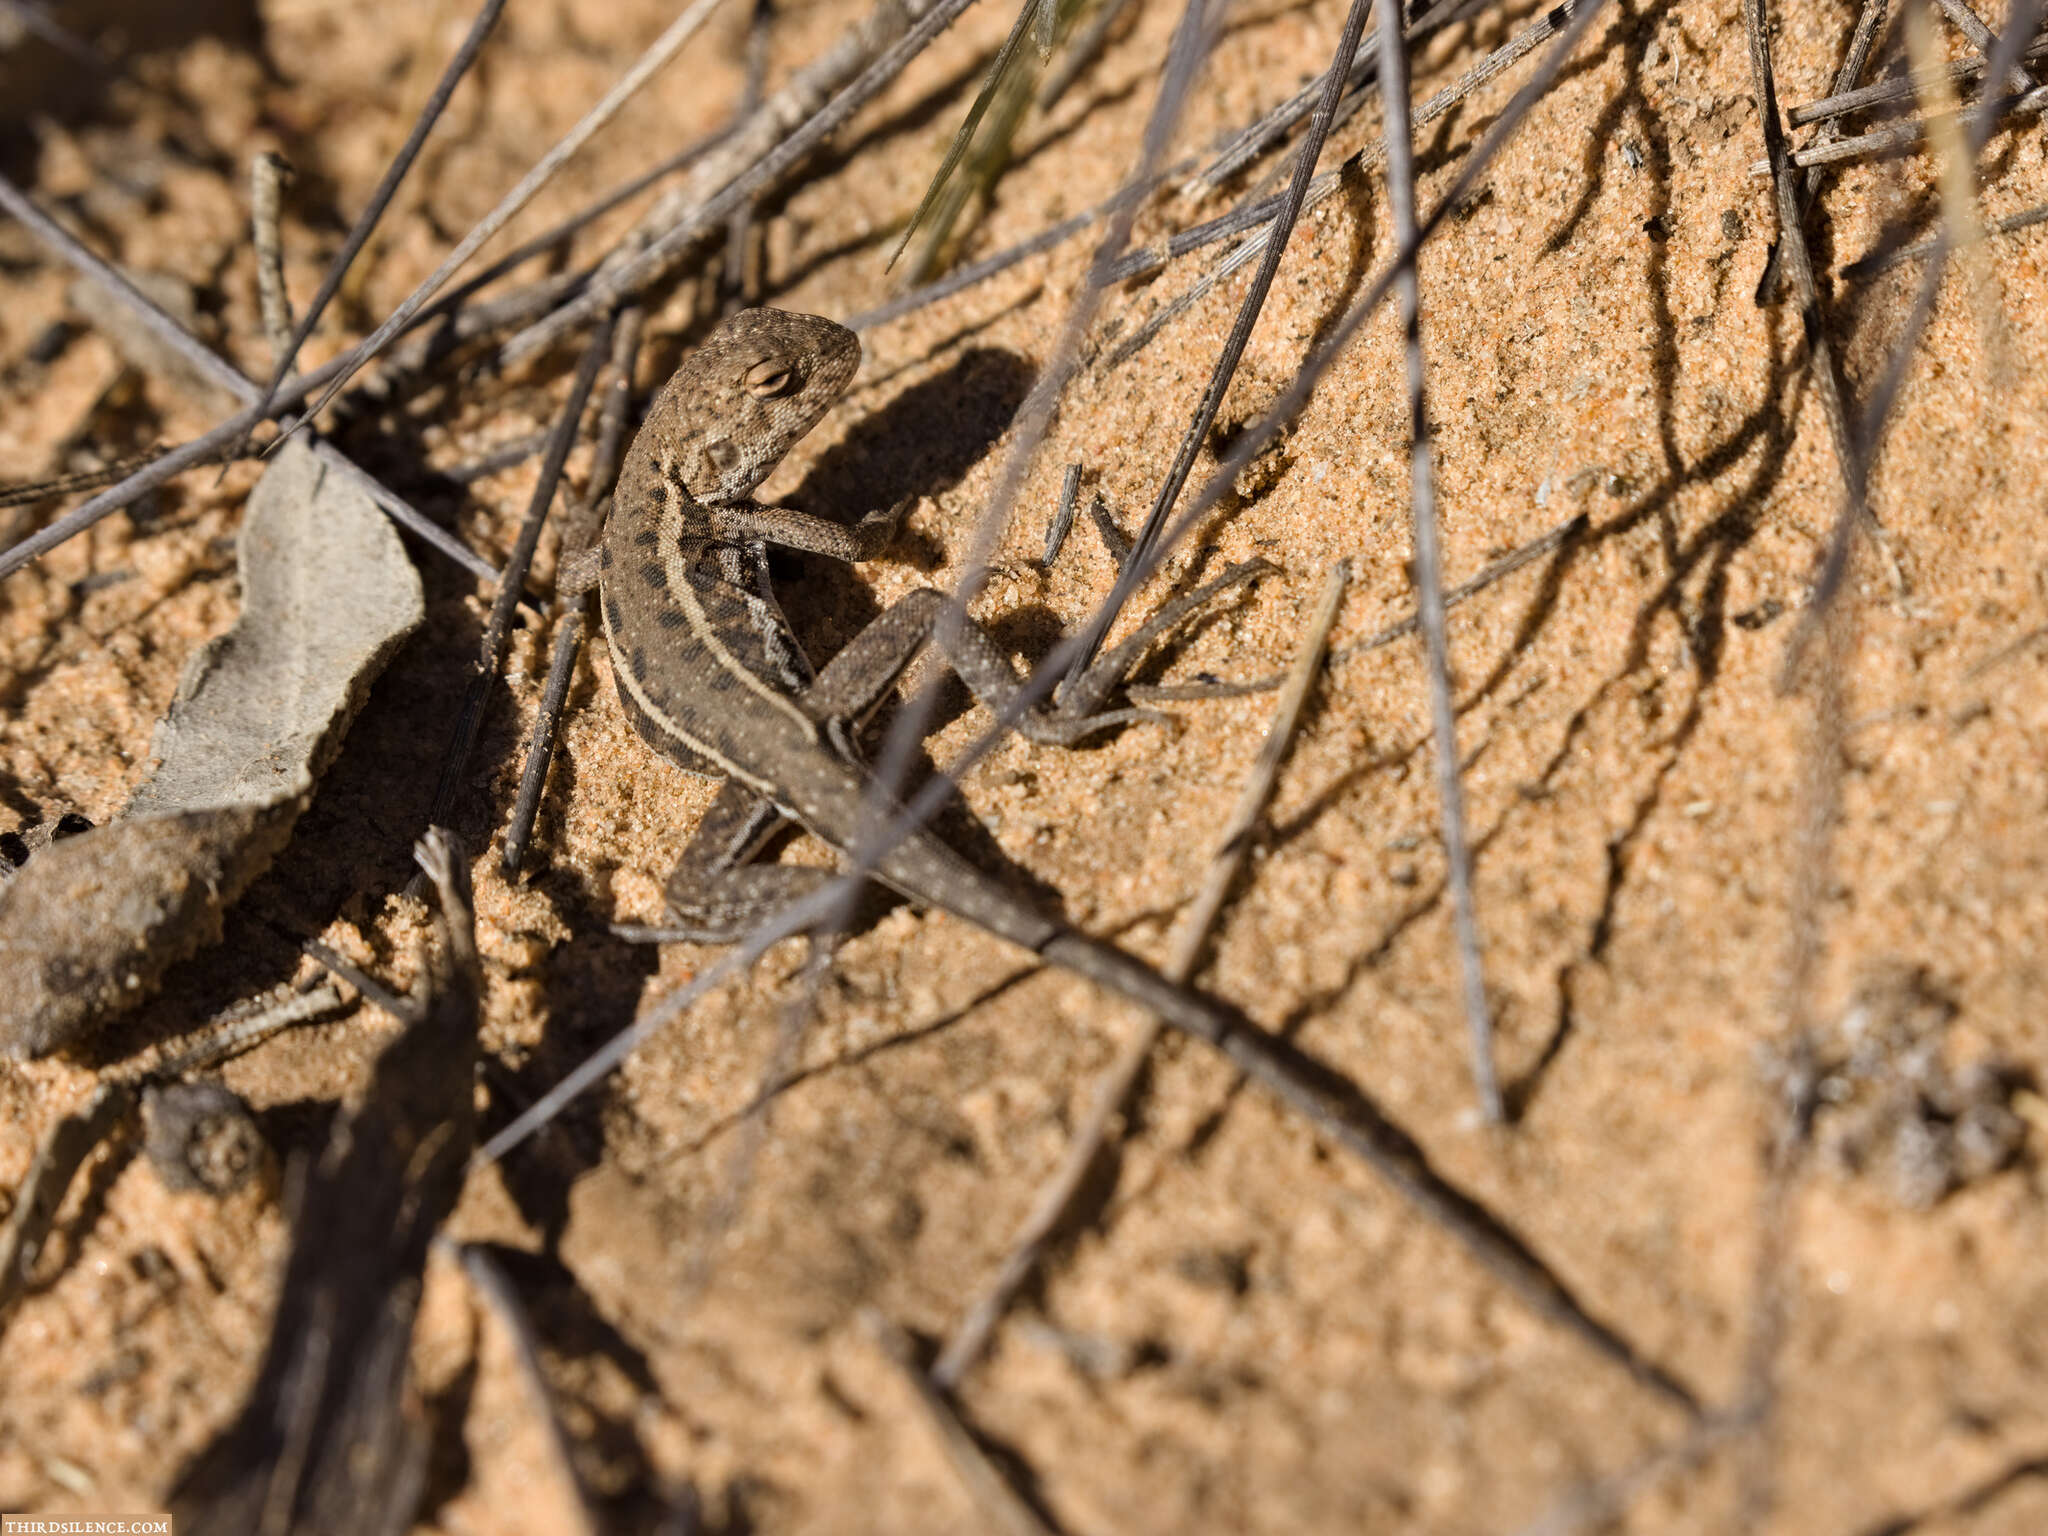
column 706, row 663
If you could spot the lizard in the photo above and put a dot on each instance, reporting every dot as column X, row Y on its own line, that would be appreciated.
column 713, row 678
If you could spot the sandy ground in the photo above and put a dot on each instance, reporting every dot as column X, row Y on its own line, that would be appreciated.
column 1252, row 1333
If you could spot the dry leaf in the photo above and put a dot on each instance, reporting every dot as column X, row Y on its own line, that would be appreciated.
column 89, row 926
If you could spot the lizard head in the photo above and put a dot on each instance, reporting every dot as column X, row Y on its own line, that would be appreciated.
column 757, row 384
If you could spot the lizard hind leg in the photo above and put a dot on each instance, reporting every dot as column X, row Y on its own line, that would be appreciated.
column 856, row 680
column 716, row 894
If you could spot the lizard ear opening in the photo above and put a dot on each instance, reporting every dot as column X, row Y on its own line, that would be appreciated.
column 772, row 378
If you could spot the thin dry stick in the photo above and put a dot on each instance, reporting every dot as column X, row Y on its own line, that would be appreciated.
column 1506, row 566
column 998, row 1502
column 1062, row 518
column 28, row 492
column 976, row 272
column 1252, row 141
column 1907, row 135
column 577, row 537
column 1844, row 102
column 243, row 1028
column 1857, row 56
column 549, row 239
column 1278, row 234
column 436, row 333
column 269, row 174
column 491, row 652
column 658, row 54
column 1191, row 938
column 1979, row 36
column 380, row 199
column 1429, row 586
column 788, row 126
column 1259, row 210
column 2025, row 17
column 201, row 449
column 1871, row 265
column 373, row 991
column 732, row 277
column 505, row 456
column 1798, row 260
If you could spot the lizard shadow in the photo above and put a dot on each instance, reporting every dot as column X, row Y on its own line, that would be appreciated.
column 921, row 443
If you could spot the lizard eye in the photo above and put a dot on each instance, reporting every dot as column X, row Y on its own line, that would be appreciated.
column 772, row 379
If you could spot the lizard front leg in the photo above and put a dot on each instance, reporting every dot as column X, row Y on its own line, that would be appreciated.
column 862, row 673
column 788, row 528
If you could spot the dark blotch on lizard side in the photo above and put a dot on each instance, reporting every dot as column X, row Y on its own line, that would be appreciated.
column 671, row 617
column 655, row 577
column 647, row 538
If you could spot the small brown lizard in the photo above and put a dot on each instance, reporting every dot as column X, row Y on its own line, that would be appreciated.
column 714, row 679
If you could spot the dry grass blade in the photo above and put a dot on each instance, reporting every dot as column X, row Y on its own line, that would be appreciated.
column 787, row 128
column 578, row 537
column 269, row 174
column 998, row 72
column 658, row 54
column 1429, row 572
column 200, row 450
column 1113, row 1088
column 1225, row 369
column 387, row 188
column 491, row 652
column 1260, row 210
